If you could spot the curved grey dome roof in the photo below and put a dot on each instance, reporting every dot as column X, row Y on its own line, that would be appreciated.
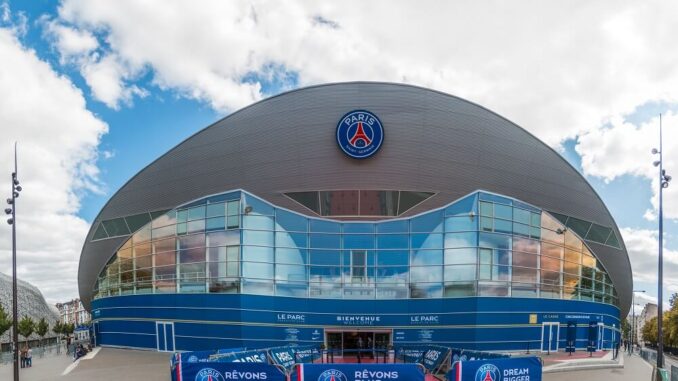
column 433, row 142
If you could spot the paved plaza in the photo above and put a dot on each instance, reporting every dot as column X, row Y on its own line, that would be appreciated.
column 122, row 364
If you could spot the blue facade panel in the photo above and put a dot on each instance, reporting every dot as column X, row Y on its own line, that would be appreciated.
column 208, row 321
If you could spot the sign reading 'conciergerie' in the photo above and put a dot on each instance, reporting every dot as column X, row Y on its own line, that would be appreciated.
column 360, row 134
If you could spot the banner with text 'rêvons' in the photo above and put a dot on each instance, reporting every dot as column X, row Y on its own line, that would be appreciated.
column 222, row 371
column 359, row 372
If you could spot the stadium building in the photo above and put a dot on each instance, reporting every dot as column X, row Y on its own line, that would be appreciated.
column 375, row 212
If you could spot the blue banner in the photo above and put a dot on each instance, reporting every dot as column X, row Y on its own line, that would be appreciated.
column 360, row 372
column 219, row 371
column 433, row 357
column 410, row 353
column 509, row 369
column 283, row 356
column 306, row 354
column 247, row 356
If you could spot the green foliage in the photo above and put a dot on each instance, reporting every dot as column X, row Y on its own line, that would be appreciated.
column 26, row 327
column 41, row 328
column 68, row 329
column 626, row 328
column 5, row 321
column 58, row 328
column 650, row 331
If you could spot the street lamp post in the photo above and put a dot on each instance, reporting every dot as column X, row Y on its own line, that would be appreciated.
column 664, row 180
column 16, row 188
column 633, row 318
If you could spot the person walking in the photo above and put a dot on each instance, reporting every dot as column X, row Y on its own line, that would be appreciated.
column 29, row 357
column 22, row 353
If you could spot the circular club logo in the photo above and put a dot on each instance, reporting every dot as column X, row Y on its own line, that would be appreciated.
column 488, row 372
column 360, row 134
column 209, row 374
column 332, row 375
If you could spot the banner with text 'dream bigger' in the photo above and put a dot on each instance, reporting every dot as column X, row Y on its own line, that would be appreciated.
column 359, row 372
column 507, row 369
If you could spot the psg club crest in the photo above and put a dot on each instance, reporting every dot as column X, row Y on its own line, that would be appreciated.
column 332, row 375
column 488, row 372
column 209, row 374
column 360, row 134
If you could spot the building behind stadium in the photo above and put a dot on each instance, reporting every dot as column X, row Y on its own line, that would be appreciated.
column 356, row 214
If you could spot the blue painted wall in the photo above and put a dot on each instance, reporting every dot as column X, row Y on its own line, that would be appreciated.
column 208, row 321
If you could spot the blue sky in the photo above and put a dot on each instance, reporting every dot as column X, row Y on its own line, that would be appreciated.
column 149, row 80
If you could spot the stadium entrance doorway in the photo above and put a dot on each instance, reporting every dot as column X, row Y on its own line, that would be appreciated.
column 351, row 340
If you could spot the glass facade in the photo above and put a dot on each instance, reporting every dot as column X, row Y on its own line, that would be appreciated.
column 481, row 245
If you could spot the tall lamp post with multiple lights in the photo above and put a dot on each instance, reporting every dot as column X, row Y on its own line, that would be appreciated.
column 633, row 316
column 16, row 188
column 664, row 180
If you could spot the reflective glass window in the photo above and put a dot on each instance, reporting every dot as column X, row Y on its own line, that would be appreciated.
column 453, row 240
column 294, row 273
column 426, row 257
column 392, row 274
column 493, row 289
column 525, row 245
column 197, row 213
column 215, row 210
column 503, row 211
column 431, row 222
column 295, row 289
column 257, row 237
column 461, row 256
column 290, row 222
column 524, row 290
column 228, row 238
column 291, row 256
column 392, row 257
column 358, row 241
column 521, row 216
column 503, row 226
column 460, row 273
column 426, row 290
column 427, row 241
column 393, row 241
column 426, row 274
column 257, row 287
column 257, row 270
column 325, row 241
column 215, row 223
column 498, row 241
column 486, row 209
column 257, row 254
column 465, row 206
column 325, row 257
column 459, row 289
column 460, row 224
column 525, row 259
column 401, row 226
column 358, row 228
column 550, row 250
column 284, row 239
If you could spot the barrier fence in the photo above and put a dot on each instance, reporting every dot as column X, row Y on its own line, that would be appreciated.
column 674, row 373
column 299, row 362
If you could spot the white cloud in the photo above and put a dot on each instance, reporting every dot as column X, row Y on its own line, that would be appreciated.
column 71, row 43
column 642, row 246
column 106, row 77
column 58, row 139
column 621, row 148
column 558, row 69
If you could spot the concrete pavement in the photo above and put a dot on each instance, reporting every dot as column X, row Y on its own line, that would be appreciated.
column 635, row 369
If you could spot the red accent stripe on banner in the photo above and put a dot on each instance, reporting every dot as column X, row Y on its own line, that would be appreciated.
column 300, row 373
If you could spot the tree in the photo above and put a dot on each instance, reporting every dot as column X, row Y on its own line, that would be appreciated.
column 5, row 321
column 58, row 328
column 26, row 327
column 626, row 329
column 650, row 331
column 68, row 329
column 41, row 329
